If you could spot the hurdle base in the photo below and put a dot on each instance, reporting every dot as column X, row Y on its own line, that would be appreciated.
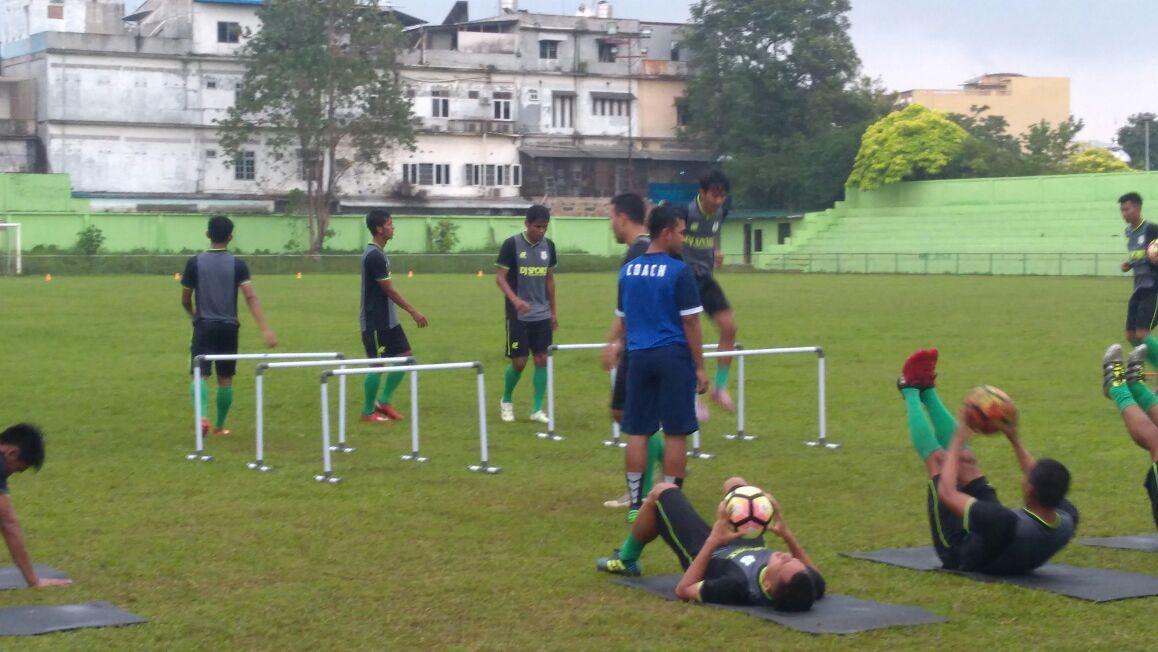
column 258, row 465
column 822, row 443
column 740, row 436
column 698, row 454
column 615, row 443
column 342, row 448
column 199, row 456
column 550, row 434
column 327, row 478
column 414, row 457
column 484, row 467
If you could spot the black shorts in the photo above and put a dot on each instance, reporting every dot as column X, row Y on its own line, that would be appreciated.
column 1142, row 311
column 712, row 296
column 968, row 546
column 680, row 526
column 619, row 389
column 525, row 338
column 214, row 338
column 386, row 342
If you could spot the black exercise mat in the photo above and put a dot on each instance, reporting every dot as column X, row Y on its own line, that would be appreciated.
column 11, row 578
column 1141, row 542
column 834, row 614
column 30, row 621
column 1093, row 584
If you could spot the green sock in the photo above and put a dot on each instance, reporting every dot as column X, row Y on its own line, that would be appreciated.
column 722, row 371
column 944, row 423
column 393, row 380
column 370, row 390
column 1151, row 350
column 1142, row 395
column 540, row 388
column 920, row 430
column 510, row 380
column 224, row 402
column 631, row 549
column 204, row 397
column 654, row 459
column 1123, row 397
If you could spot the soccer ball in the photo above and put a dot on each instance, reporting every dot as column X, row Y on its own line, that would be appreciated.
column 1152, row 252
column 988, row 409
column 749, row 511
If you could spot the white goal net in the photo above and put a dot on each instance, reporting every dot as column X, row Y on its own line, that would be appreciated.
column 10, row 263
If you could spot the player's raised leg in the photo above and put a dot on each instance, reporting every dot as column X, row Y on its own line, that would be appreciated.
column 1123, row 383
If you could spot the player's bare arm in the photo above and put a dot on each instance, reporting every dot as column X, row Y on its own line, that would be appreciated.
column 388, row 289
column 254, row 304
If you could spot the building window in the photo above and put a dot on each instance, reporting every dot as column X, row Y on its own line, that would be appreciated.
column 55, row 12
column 309, row 165
column 758, row 245
column 494, row 175
column 440, row 104
column 607, row 52
column 210, row 83
column 675, row 51
column 210, row 153
column 609, row 107
column 245, row 166
column 426, row 174
column 502, row 106
column 228, row 32
column 563, row 111
column 548, row 49
column 473, row 95
column 681, row 107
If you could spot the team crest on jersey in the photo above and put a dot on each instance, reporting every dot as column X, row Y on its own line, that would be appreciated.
column 1141, row 239
column 747, row 560
column 523, row 255
column 715, row 228
column 543, row 255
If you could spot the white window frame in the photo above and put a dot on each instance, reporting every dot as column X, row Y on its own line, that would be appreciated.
column 245, row 166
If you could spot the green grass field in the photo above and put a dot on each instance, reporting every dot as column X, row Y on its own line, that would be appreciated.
column 402, row 556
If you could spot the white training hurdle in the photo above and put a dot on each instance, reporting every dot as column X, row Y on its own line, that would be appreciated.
column 259, row 394
column 199, row 453
column 821, row 441
column 327, row 475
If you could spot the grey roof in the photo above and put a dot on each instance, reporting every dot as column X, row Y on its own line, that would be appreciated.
column 615, row 153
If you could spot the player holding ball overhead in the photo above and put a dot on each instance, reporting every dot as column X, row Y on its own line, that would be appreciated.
column 971, row 529
column 723, row 563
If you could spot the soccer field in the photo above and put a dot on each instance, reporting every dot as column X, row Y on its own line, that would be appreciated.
column 405, row 556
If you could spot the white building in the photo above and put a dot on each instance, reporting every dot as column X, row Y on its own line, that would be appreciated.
column 128, row 108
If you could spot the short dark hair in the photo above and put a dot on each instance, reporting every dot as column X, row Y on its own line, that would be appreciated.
column 631, row 205
column 220, row 228
column 1131, row 197
column 715, row 178
column 1050, row 480
column 29, row 440
column 376, row 218
column 538, row 212
column 797, row 594
column 663, row 218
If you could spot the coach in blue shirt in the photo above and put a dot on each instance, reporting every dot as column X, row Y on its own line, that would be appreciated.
column 659, row 306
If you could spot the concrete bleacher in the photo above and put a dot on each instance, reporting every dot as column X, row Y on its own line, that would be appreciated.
column 1050, row 225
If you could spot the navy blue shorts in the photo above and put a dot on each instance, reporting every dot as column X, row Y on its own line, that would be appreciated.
column 661, row 388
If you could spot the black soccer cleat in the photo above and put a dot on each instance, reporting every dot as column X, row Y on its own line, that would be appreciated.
column 1136, row 364
column 1113, row 369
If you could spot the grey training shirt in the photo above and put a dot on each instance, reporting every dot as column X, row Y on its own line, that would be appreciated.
column 1137, row 240
column 527, row 266
column 214, row 277
column 700, row 244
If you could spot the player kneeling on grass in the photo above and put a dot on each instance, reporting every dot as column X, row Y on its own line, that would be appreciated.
column 972, row 530
column 719, row 566
column 1125, row 384
column 21, row 447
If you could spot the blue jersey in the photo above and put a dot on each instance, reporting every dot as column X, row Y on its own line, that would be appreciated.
column 655, row 292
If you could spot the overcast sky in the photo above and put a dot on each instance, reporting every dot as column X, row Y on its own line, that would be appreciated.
column 1106, row 48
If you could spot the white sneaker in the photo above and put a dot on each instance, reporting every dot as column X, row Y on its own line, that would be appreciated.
column 540, row 416
column 507, row 411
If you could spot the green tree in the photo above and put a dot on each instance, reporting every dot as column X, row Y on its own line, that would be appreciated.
column 1132, row 140
column 777, row 94
column 990, row 151
column 911, row 144
column 1047, row 149
column 322, row 90
column 1095, row 159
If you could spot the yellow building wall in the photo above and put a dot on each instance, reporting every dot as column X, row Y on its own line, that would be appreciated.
column 1027, row 101
column 657, row 107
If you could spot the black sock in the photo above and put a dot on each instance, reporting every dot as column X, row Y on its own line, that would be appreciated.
column 1151, row 485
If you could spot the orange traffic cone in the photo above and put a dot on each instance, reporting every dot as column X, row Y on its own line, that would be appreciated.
column 410, row 274
column 47, row 277
column 299, row 276
column 480, row 275
column 177, row 276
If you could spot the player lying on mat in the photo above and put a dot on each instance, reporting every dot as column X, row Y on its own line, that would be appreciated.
column 21, row 448
column 972, row 530
column 1125, row 384
column 719, row 566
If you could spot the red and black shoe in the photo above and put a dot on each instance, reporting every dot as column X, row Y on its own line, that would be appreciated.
column 387, row 410
column 919, row 370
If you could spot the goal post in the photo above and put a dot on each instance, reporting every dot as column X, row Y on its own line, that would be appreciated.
column 10, row 262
